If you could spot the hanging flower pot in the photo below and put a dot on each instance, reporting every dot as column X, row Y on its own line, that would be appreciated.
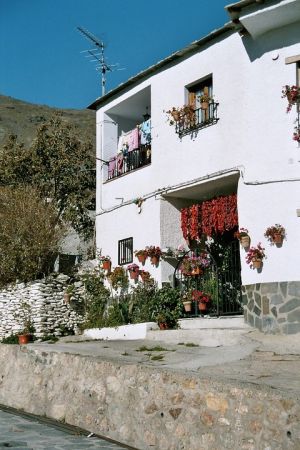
column 245, row 241
column 187, row 306
column 145, row 276
column 134, row 274
column 106, row 265
column 154, row 260
column 277, row 238
column 275, row 234
column 196, row 271
column 257, row 263
column 142, row 258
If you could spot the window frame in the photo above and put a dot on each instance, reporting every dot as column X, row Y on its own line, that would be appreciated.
column 125, row 251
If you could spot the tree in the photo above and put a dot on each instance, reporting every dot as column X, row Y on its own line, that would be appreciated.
column 29, row 235
column 59, row 166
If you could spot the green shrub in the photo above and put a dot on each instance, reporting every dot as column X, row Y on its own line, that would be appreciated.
column 12, row 339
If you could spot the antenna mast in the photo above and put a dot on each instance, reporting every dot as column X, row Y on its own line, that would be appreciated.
column 98, row 55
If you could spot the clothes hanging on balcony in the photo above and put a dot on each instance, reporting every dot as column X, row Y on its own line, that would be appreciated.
column 133, row 139
column 120, row 160
column 145, row 130
column 111, row 166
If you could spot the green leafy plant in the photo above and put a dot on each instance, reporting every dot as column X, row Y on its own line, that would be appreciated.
column 29, row 237
column 169, row 306
column 119, row 278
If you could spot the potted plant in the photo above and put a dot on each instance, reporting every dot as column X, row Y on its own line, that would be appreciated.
column 154, row 254
column 292, row 94
column 68, row 293
column 141, row 255
column 187, row 301
column 174, row 115
column 133, row 270
column 119, row 278
column 162, row 321
column 255, row 256
column 205, row 99
column 145, row 276
column 243, row 236
column 275, row 233
column 105, row 262
column 202, row 299
column 194, row 265
column 296, row 134
column 25, row 334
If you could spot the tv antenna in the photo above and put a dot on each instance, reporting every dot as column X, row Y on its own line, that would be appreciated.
column 98, row 56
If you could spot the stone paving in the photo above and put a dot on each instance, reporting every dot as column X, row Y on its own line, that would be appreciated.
column 29, row 434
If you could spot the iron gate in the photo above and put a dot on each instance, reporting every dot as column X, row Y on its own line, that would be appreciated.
column 221, row 279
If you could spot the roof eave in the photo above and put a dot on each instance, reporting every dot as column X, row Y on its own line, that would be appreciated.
column 230, row 26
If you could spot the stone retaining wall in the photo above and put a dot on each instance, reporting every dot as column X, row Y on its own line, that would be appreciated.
column 148, row 408
column 273, row 307
column 47, row 310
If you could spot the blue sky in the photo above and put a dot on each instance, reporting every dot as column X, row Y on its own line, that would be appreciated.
column 40, row 47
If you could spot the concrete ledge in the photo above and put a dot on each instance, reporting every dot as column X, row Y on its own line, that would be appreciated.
column 124, row 332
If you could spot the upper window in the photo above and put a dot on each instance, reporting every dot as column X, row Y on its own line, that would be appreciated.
column 199, row 111
column 200, row 93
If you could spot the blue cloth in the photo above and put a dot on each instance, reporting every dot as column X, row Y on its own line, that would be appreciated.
column 146, row 132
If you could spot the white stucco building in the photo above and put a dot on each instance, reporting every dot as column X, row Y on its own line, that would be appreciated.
column 243, row 143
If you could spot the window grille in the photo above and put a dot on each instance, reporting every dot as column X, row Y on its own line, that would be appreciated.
column 125, row 251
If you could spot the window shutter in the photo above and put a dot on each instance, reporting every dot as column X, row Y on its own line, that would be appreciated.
column 192, row 99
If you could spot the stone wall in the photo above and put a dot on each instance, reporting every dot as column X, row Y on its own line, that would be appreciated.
column 273, row 307
column 148, row 407
column 47, row 310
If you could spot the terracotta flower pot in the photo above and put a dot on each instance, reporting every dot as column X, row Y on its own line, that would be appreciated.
column 24, row 339
column 133, row 274
column 277, row 238
column 67, row 297
column 106, row 265
column 204, row 105
column 154, row 260
column 257, row 263
column 202, row 306
column 142, row 258
column 196, row 271
column 187, row 306
column 245, row 241
column 163, row 326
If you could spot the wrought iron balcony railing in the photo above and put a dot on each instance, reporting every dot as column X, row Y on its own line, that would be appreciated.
column 201, row 118
column 128, row 161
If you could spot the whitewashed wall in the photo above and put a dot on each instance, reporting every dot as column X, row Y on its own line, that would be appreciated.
column 254, row 133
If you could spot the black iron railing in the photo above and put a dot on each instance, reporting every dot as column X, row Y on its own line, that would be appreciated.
column 221, row 280
column 201, row 118
column 127, row 161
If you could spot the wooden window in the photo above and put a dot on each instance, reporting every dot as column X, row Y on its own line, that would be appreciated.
column 197, row 90
column 125, row 251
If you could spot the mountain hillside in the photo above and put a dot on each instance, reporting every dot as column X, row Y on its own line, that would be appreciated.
column 22, row 118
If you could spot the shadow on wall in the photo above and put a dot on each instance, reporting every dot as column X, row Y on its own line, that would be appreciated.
column 272, row 40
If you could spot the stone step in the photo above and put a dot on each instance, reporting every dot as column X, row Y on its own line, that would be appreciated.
column 232, row 322
column 205, row 337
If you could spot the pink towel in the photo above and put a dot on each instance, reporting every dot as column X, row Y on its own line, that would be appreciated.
column 111, row 166
column 133, row 139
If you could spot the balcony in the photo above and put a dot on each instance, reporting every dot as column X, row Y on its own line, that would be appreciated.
column 128, row 161
column 191, row 122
